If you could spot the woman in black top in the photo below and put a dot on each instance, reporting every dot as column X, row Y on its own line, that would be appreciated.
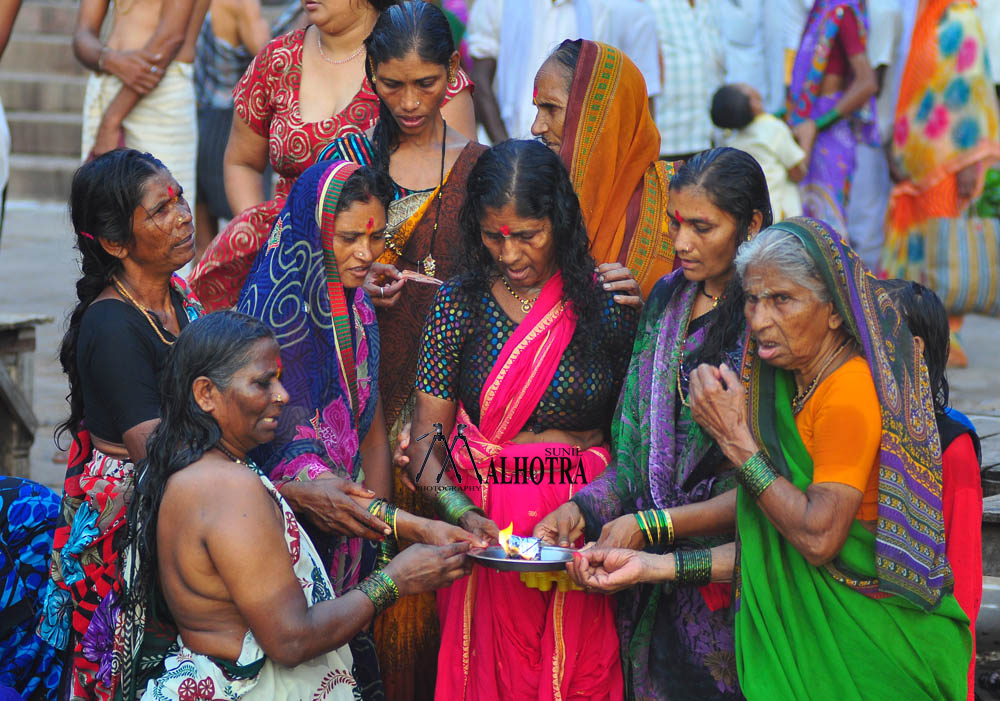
column 133, row 230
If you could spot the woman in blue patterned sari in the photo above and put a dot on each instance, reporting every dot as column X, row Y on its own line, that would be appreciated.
column 331, row 440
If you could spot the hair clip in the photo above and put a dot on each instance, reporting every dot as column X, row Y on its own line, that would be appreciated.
column 505, row 231
column 84, row 233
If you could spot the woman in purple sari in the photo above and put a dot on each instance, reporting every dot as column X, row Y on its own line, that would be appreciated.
column 831, row 104
column 662, row 460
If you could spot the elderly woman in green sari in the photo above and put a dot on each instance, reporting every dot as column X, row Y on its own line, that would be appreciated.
column 842, row 579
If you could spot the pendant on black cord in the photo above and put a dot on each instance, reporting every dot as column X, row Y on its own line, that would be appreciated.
column 430, row 265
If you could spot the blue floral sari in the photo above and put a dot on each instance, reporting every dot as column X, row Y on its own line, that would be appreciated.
column 329, row 365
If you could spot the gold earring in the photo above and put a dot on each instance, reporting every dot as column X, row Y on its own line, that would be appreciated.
column 451, row 75
column 371, row 70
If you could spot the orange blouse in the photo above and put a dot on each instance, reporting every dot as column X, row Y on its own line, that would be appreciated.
column 841, row 426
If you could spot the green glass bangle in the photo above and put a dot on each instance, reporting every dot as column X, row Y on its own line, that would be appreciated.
column 643, row 527
column 693, row 568
column 379, row 587
column 756, row 474
column 656, row 526
column 452, row 504
column 827, row 119
column 387, row 550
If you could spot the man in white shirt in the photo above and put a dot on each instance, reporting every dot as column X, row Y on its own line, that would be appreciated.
column 784, row 21
column 739, row 23
column 509, row 40
column 693, row 68
column 866, row 207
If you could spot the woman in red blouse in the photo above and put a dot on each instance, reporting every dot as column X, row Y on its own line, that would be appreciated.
column 962, row 490
column 283, row 105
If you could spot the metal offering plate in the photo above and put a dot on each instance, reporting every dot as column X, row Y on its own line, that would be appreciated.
column 551, row 559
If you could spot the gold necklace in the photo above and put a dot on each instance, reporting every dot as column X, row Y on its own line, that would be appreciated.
column 124, row 293
column 679, row 349
column 335, row 62
column 800, row 398
column 526, row 304
column 679, row 358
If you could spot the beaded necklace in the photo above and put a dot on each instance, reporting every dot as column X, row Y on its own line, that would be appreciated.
column 800, row 398
column 526, row 304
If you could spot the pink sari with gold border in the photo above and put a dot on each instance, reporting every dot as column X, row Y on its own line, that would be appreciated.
column 500, row 639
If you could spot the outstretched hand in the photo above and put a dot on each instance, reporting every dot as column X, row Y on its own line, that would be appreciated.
column 422, row 568
column 327, row 502
column 562, row 527
column 608, row 570
column 441, row 533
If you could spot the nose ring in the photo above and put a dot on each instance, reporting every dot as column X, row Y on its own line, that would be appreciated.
column 180, row 220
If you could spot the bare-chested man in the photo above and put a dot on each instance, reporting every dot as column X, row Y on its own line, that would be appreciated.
column 141, row 93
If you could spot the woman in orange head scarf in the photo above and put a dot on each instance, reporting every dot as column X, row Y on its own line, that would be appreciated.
column 593, row 110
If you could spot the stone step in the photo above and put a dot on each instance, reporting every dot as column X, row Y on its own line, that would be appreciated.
column 45, row 133
column 42, row 53
column 40, row 177
column 42, row 92
column 46, row 17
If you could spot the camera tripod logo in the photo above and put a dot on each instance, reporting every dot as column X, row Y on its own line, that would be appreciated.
column 449, row 459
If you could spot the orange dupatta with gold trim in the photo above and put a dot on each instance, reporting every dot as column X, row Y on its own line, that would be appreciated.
column 500, row 639
column 611, row 146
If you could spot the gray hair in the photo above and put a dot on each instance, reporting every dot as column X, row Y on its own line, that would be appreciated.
column 777, row 248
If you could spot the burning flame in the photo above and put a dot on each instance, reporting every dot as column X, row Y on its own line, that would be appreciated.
column 504, row 537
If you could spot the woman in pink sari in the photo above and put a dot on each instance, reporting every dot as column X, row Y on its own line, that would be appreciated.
column 528, row 351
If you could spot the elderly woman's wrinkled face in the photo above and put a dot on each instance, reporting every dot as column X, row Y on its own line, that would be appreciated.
column 705, row 237
column 789, row 323
column 358, row 240
column 247, row 409
column 551, row 97
column 523, row 248
column 162, row 225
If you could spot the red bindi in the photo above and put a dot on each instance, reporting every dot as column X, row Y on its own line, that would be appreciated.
column 678, row 217
column 170, row 191
column 534, row 96
column 505, row 231
column 371, row 225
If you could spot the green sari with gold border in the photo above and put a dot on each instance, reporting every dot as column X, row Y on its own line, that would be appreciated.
column 879, row 621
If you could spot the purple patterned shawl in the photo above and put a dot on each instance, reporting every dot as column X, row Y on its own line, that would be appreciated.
column 909, row 541
column 672, row 643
